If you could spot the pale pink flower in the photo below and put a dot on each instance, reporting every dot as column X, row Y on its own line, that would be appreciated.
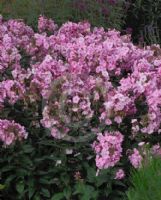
column 108, row 149
column 11, row 131
column 76, row 99
column 135, row 158
column 120, row 174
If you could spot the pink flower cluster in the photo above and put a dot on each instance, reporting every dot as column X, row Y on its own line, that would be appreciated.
column 120, row 174
column 11, row 91
column 156, row 150
column 45, row 25
column 135, row 158
column 11, row 131
column 108, row 149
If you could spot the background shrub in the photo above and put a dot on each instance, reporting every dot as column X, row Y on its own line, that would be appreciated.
column 144, row 17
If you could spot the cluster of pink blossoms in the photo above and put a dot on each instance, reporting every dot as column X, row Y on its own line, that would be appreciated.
column 11, row 91
column 135, row 158
column 88, row 77
column 11, row 131
column 156, row 150
column 14, row 36
column 120, row 174
column 108, row 149
column 45, row 25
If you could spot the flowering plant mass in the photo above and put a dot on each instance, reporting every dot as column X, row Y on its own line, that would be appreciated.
column 81, row 84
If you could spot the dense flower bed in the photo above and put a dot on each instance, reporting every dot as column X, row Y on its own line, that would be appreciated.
column 90, row 82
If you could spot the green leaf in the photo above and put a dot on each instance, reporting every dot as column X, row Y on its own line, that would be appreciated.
column 31, row 188
column 28, row 148
column 44, row 181
column 119, row 183
column 20, row 187
column 7, row 168
column 10, row 179
column 2, row 187
column 45, row 192
column 103, row 177
column 91, row 175
column 58, row 196
column 36, row 197
column 67, row 192
column 65, row 178
column 22, row 172
column 87, row 191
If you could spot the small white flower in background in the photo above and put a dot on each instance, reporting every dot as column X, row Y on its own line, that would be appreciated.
column 58, row 162
column 89, row 157
column 133, row 121
column 69, row 151
column 97, row 173
column 77, row 154
column 141, row 144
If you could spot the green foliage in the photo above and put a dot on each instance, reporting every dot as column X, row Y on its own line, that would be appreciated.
column 146, row 181
column 25, row 9
column 98, row 14
column 39, row 168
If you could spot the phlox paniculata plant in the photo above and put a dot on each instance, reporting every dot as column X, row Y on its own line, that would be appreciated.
column 92, row 86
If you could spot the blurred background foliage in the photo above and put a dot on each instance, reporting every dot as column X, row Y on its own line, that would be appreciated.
column 142, row 18
column 99, row 12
